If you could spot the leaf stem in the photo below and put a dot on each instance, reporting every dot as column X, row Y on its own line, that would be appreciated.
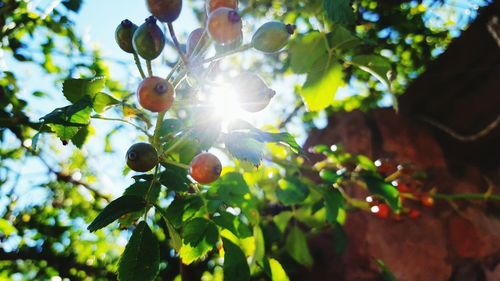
column 153, row 181
column 226, row 54
column 171, row 30
column 150, row 68
column 139, row 66
column 121, row 120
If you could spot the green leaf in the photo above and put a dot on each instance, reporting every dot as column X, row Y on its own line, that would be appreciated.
column 141, row 259
column 101, row 101
column 385, row 190
column 34, row 141
column 183, row 209
column 281, row 220
column 376, row 65
column 341, row 38
column 277, row 271
column 75, row 89
column 81, row 136
column 232, row 223
column 170, row 126
column 260, row 245
column 140, row 188
column 329, row 176
column 235, row 263
column 116, row 209
column 296, row 246
column 199, row 229
column 243, row 147
column 306, row 50
column 291, row 191
column 339, row 11
column 191, row 254
column 175, row 238
column 333, row 202
column 283, row 138
column 174, row 178
column 231, row 188
column 206, row 135
column 340, row 239
column 6, row 228
column 67, row 121
column 318, row 92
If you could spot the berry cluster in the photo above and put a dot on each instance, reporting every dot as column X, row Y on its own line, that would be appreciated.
column 224, row 28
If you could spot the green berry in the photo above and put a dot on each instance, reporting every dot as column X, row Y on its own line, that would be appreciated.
column 224, row 48
column 272, row 36
column 165, row 10
column 142, row 157
column 123, row 35
column 149, row 40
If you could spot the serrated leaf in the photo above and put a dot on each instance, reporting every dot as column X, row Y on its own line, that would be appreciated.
column 67, row 121
column 376, row 65
column 200, row 229
column 283, row 138
column 101, row 101
column 175, row 238
column 170, row 126
column 183, row 209
column 191, row 254
column 140, row 188
column 174, row 178
column 81, row 136
column 339, row 11
column 385, row 190
column 75, row 89
column 243, row 147
column 291, row 191
column 260, row 245
column 235, row 263
column 296, row 246
column 306, row 50
column 231, row 188
column 141, row 259
column 318, row 92
column 116, row 209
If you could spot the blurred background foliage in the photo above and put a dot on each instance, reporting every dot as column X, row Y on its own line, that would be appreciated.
column 45, row 208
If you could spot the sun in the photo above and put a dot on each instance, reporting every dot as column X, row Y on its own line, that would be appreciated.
column 223, row 99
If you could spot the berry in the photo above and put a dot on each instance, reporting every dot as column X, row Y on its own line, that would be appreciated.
column 142, row 157
column 381, row 210
column 123, row 35
column 149, row 40
column 193, row 39
column 165, row 10
column 205, row 168
column 427, row 200
column 224, row 25
column 272, row 36
column 413, row 214
column 224, row 48
column 252, row 92
column 155, row 94
column 213, row 5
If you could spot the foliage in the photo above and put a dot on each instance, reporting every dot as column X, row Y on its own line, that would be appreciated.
column 255, row 220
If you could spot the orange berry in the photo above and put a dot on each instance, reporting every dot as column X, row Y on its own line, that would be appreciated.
column 155, row 94
column 224, row 25
column 213, row 5
column 205, row 168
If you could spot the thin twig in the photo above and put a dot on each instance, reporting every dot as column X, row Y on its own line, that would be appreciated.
column 150, row 68
column 176, row 42
column 463, row 138
column 122, row 120
column 291, row 115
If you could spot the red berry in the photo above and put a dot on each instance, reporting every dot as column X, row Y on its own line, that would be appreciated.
column 205, row 168
column 165, row 10
column 403, row 187
column 413, row 214
column 381, row 210
column 213, row 5
column 224, row 25
column 427, row 200
column 385, row 167
column 155, row 94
